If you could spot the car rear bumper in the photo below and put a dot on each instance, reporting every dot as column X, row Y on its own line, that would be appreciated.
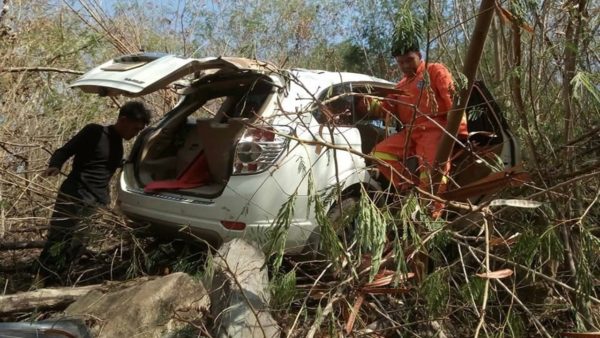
column 172, row 215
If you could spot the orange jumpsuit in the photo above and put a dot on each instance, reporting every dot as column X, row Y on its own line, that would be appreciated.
column 419, row 111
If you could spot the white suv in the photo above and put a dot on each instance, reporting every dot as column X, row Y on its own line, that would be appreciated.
column 244, row 140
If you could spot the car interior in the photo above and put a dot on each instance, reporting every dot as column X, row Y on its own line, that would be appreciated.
column 473, row 158
column 207, row 123
column 487, row 136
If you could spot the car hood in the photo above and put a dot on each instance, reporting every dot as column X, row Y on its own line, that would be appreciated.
column 141, row 74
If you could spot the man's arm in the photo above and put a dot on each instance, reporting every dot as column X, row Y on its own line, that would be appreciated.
column 443, row 86
column 383, row 105
column 75, row 145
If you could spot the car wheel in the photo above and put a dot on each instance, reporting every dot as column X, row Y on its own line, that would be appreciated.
column 342, row 216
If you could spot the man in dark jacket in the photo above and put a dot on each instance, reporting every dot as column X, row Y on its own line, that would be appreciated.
column 97, row 152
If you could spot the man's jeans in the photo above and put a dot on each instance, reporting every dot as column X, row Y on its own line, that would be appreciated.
column 67, row 236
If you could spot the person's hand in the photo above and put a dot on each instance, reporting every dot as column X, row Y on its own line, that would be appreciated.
column 51, row 171
column 362, row 105
column 368, row 106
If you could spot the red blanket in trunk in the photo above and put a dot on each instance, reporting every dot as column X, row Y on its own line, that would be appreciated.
column 195, row 175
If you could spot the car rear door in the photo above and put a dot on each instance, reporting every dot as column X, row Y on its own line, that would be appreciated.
column 141, row 74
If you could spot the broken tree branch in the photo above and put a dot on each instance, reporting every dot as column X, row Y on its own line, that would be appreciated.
column 43, row 298
column 21, row 245
column 40, row 69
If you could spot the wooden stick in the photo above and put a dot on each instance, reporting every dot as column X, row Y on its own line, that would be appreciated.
column 43, row 298
column 21, row 245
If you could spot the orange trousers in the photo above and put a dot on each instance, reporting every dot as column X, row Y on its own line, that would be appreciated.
column 394, row 150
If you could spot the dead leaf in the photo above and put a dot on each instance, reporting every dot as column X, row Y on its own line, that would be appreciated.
column 384, row 290
column 512, row 177
column 355, row 308
column 498, row 241
column 386, row 277
column 581, row 334
column 508, row 17
column 496, row 274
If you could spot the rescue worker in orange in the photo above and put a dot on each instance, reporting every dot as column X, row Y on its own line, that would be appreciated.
column 423, row 99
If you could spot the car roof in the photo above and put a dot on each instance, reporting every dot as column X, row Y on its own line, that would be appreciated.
column 143, row 73
column 314, row 79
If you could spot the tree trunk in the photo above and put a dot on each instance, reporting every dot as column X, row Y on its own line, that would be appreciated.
column 496, row 27
column 570, row 236
column 240, row 292
column 484, row 18
column 515, row 88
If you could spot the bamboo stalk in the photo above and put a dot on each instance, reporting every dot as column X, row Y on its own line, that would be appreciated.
column 484, row 18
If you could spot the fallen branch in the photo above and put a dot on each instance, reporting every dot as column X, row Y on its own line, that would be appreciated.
column 21, row 245
column 43, row 298
column 529, row 270
column 40, row 69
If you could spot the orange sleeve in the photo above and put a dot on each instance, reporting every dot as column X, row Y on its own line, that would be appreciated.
column 391, row 100
column 443, row 86
column 388, row 104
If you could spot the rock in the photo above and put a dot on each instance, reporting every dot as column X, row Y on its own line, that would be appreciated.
column 162, row 307
column 239, row 292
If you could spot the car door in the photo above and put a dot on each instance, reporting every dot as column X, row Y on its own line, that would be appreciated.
column 342, row 125
column 485, row 115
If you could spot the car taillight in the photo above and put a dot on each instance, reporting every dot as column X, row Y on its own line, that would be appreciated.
column 259, row 148
column 233, row 225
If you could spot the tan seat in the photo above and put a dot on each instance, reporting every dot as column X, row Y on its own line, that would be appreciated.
column 218, row 140
column 189, row 151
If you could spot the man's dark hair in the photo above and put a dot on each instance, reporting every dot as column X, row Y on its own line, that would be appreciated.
column 135, row 110
column 400, row 47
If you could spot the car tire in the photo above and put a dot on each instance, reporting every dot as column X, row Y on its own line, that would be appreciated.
column 342, row 216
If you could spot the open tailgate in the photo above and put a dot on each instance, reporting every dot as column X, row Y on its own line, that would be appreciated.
column 141, row 74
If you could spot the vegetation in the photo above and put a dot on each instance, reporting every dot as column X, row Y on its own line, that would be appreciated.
column 500, row 271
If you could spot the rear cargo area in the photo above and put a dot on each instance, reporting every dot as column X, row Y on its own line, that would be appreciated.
column 192, row 150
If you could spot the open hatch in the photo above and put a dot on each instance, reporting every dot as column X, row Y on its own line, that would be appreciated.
column 143, row 73
column 196, row 148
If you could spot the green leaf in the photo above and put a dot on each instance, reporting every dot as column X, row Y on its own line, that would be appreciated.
column 582, row 80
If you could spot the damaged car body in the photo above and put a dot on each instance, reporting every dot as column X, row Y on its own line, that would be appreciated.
column 246, row 138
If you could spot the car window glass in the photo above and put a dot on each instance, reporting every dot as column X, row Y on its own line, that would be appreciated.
column 343, row 104
column 336, row 106
column 245, row 101
column 248, row 106
column 209, row 109
column 484, row 117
